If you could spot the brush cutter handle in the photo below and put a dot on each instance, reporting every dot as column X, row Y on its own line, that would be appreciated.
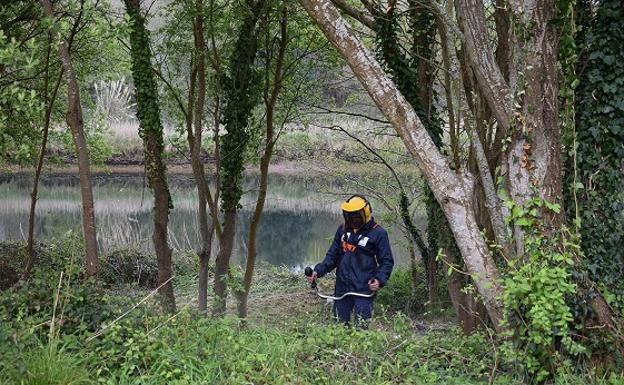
column 308, row 272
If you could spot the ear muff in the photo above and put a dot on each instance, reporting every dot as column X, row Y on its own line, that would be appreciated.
column 362, row 204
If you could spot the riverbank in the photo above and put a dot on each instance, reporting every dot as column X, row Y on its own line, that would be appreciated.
column 287, row 168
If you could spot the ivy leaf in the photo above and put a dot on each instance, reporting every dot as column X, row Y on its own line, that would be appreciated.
column 553, row 206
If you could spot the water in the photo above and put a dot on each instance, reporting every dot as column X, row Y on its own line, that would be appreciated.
column 298, row 223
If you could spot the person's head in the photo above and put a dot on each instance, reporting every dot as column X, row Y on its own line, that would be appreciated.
column 356, row 211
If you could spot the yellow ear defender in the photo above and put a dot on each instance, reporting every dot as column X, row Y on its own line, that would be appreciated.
column 358, row 203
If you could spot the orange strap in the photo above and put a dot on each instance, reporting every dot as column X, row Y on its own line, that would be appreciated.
column 346, row 246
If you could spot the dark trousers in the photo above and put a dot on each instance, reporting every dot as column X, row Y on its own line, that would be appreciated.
column 363, row 310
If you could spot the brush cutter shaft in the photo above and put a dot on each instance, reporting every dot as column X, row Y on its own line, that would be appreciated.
column 309, row 271
column 344, row 295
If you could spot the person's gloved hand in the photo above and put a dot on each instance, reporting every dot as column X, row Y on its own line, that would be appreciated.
column 312, row 278
column 373, row 284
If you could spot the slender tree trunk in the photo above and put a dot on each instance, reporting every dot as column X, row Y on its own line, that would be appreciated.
column 76, row 123
column 270, row 100
column 449, row 189
column 49, row 99
column 151, row 131
column 241, row 98
column 195, row 141
column 492, row 201
column 203, row 273
column 222, row 263
column 413, row 304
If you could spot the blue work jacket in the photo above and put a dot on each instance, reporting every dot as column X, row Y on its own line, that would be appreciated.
column 358, row 258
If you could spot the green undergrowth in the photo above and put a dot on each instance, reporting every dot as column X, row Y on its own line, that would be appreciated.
column 61, row 328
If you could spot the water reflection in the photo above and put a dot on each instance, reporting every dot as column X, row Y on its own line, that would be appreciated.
column 297, row 225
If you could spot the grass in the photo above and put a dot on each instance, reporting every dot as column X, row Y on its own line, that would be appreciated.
column 49, row 364
column 289, row 338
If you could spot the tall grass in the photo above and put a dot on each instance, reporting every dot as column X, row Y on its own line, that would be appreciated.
column 49, row 364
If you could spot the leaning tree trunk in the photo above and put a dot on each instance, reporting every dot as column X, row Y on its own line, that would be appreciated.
column 151, row 131
column 76, row 124
column 451, row 191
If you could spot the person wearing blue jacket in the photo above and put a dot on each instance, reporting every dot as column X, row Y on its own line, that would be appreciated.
column 361, row 255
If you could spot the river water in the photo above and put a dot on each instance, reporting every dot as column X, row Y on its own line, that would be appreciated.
column 298, row 224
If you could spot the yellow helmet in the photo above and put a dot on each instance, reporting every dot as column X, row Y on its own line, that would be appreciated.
column 357, row 203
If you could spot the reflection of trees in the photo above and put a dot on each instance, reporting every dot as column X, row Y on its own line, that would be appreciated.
column 289, row 238
column 291, row 234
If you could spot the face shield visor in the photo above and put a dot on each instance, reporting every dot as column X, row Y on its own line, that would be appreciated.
column 354, row 219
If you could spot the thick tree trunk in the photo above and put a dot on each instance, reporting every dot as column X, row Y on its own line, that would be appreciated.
column 151, row 131
column 75, row 121
column 449, row 189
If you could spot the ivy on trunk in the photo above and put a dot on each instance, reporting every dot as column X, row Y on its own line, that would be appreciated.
column 151, row 131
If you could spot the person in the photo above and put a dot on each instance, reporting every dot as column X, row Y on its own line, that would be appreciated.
column 362, row 257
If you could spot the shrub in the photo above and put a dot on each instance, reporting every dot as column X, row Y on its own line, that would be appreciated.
column 128, row 266
column 397, row 293
column 82, row 302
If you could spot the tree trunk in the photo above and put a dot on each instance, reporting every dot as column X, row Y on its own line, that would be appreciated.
column 222, row 264
column 203, row 273
column 470, row 313
column 75, row 121
column 270, row 101
column 241, row 99
column 448, row 188
column 492, row 201
column 151, row 131
column 49, row 99
column 195, row 141
column 489, row 77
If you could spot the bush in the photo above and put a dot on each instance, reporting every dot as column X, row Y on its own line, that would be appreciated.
column 397, row 293
column 11, row 256
column 82, row 303
column 128, row 266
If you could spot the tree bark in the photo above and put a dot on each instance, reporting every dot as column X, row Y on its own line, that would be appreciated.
column 270, row 101
column 75, row 121
column 202, row 278
column 222, row 264
column 151, row 131
column 469, row 312
column 448, row 188
column 195, row 145
column 492, row 201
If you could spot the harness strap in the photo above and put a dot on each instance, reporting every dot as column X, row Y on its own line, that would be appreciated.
column 346, row 246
